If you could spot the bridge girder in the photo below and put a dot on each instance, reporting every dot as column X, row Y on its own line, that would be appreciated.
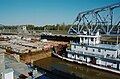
column 100, row 18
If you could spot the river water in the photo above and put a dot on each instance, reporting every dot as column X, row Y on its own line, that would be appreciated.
column 78, row 70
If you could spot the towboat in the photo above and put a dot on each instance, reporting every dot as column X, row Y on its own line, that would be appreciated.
column 90, row 51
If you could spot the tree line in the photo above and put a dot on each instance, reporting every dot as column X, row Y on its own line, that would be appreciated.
column 33, row 27
column 48, row 27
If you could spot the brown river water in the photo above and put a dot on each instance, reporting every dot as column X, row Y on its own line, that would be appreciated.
column 78, row 70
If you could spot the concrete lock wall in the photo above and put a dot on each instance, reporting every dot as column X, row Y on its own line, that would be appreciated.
column 2, row 62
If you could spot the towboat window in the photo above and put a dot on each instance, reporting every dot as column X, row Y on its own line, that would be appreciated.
column 74, row 46
column 99, row 50
column 82, row 38
column 119, row 56
column 92, row 39
column 82, row 46
column 93, row 50
column 84, row 57
column 78, row 56
column 86, row 48
column 107, row 55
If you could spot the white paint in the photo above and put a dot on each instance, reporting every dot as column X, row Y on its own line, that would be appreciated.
column 8, row 74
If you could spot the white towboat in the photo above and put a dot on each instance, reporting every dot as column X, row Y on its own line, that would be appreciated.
column 89, row 50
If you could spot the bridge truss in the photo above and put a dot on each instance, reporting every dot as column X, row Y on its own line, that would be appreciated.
column 106, row 19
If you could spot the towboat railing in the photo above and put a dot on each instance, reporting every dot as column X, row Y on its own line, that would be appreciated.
column 88, row 54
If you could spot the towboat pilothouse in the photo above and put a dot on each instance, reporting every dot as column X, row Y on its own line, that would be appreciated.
column 89, row 50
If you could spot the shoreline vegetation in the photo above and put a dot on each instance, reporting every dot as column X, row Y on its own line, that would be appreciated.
column 57, row 27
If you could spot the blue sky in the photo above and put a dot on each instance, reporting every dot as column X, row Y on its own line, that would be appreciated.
column 44, row 12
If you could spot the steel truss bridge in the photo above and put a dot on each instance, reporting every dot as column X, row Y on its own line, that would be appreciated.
column 105, row 19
